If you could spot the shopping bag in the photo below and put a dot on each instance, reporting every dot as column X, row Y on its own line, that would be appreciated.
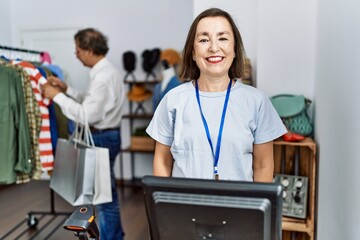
column 74, row 170
column 102, row 185
column 81, row 172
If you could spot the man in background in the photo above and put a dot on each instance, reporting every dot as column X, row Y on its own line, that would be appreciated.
column 102, row 104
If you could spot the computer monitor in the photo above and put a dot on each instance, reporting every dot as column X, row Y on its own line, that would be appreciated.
column 198, row 209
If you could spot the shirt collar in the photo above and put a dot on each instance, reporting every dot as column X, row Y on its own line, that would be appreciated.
column 98, row 66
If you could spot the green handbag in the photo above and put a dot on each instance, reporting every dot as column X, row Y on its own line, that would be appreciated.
column 292, row 109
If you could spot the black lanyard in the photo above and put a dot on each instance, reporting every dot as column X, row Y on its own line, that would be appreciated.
column 217, row 152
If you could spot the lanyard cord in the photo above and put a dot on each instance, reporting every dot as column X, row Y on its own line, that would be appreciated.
column 217, row 152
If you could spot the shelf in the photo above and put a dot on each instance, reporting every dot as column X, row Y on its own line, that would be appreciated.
column 293, row 220
column 138, row 116
column 285, row 163
column 142, row 81
column 307, row 142
column 297, row 227
column 139, row 150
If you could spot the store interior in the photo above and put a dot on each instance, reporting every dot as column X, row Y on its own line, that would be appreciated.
column 306, row 47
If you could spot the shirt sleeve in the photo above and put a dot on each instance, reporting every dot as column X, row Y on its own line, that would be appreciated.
column 161, row 127
column 94, row 103
column 74, row 94
column 71, row 108
column 269, row 124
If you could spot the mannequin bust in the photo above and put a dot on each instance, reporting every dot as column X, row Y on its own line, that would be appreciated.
column 168, row 72
column 169, row 81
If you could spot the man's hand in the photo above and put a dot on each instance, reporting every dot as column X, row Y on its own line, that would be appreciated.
column 56, row 82
column 49, row 91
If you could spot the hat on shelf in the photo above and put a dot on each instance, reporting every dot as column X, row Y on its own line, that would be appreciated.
column 129, row 61
column 150, row 59
column 139, row 93
column 171, row 56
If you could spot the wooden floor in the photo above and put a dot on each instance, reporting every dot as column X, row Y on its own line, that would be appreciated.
column 16, row 201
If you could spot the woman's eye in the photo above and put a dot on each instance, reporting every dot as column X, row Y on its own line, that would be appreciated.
column 223, row 39
column 203, row 40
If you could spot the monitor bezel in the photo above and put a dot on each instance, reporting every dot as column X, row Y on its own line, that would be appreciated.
column 270, row 191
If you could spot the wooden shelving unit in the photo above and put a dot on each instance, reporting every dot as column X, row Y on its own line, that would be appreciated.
column 138, row 116
column 285, row 163
column 133, row 116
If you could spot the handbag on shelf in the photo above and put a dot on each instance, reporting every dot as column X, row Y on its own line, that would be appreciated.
column 292, row 109
column 81, row 173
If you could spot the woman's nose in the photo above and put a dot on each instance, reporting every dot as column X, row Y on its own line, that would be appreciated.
column 214, row 47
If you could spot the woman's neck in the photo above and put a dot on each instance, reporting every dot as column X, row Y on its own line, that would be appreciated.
column 215, row 85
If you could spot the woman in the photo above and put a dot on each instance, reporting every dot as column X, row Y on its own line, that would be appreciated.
column 214, row 111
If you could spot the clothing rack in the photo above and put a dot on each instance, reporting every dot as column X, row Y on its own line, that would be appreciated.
column 21, row 53
column 31, row 219
column 19, row 50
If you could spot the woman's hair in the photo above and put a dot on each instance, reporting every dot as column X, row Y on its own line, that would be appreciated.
column 92, row 40
column 190, row 70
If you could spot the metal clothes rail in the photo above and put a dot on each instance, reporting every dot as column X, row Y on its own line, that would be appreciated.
column 19, row 50
column 33, row 217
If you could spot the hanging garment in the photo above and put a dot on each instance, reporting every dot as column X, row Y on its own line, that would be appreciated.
column 52, row 115
column 34, row 118
column 45, row 146
column 15, row 144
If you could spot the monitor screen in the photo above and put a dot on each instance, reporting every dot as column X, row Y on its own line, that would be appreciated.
column 185, row 208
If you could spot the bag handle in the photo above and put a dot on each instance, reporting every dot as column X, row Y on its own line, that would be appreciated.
column 87, row 134
column 82, row 130
column 307, row 100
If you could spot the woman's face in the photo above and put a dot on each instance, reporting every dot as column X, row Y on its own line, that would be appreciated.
column 214, row 47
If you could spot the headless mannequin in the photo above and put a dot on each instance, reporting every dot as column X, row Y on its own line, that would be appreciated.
column 169, row 81
column 168, row 72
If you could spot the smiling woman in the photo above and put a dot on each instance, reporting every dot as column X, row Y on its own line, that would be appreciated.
column 213, row 52
column 220, row 24
column 186, row 122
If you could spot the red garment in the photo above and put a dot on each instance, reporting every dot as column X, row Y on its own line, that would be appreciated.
column 45, row 146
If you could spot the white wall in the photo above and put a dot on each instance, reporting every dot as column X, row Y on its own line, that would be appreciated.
column 5, row 36
column 130, row 25
column 337, row 89
column 286, row 47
